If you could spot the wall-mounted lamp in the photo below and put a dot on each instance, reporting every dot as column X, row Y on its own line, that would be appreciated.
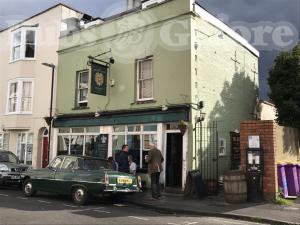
column 98, row 112
column 200, row 118
column 197, row 106
column 164, row 108
column 112, row 82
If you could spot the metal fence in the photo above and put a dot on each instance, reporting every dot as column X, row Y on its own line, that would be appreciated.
column 206, row 154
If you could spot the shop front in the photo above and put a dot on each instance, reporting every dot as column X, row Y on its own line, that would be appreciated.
column 105, row 135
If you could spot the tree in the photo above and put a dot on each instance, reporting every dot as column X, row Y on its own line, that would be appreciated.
column 284, row 82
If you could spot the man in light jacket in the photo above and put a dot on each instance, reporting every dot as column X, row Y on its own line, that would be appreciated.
column 154, row 160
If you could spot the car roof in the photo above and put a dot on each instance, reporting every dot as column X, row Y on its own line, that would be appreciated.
column 5, row 151
column 83, row 157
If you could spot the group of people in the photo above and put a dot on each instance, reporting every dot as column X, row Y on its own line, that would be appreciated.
column 124, row 163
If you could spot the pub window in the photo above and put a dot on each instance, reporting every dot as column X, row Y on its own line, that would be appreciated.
column 82, row 88
column 138, row 138
column 145, row 79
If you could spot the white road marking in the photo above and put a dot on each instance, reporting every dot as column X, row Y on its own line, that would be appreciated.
column 223, row 221
column 44, row 202
column 23, row 198
column 72, row 206
column 101, row 211
column 89, row 209
column 138, row 218
column 291, row 208
column 119, row 205
column 185, row 223
column 4, row 195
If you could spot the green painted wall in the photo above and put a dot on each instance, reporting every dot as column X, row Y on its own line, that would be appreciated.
column 229, row 94
column 150, row 32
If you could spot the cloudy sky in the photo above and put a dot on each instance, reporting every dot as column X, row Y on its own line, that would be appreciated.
column 270, row 25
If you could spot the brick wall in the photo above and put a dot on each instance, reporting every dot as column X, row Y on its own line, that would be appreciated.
column 266, row 130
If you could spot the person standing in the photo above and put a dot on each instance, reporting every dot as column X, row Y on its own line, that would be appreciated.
column 154, row 160
column 113, row 163
column 122, row 160
column 132, row 165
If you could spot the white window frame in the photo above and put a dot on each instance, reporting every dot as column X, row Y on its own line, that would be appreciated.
column 1, row 141
column 23, row 31
column 141, row 133
column 19, row 82
column 138, row 79
column 19, row 144
column 78, row 102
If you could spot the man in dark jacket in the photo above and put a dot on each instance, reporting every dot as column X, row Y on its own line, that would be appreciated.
column 122, row 160
column 154, row 160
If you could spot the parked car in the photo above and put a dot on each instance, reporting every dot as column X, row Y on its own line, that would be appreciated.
column 80, row 177
column 10, row 168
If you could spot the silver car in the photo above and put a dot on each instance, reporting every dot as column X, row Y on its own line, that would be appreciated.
column 10, row 168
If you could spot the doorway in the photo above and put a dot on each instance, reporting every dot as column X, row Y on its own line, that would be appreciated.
column 45, row 157
column 174, row 160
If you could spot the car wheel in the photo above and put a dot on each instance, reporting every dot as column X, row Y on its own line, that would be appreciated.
column 79, row 195
column 28, row 188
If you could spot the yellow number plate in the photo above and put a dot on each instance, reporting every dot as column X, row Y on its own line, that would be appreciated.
column 122, row 180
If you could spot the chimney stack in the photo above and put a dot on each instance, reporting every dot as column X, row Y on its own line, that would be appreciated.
column 133, row 4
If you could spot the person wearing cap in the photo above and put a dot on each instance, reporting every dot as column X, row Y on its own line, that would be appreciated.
column 154, row 160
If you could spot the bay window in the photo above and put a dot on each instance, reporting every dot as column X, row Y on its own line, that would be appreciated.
column 23, row 43
column 20, row 96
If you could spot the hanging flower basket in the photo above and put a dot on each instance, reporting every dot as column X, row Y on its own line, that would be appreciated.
column 182, row 126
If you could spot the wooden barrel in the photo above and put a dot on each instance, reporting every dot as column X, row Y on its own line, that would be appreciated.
column 235, row 186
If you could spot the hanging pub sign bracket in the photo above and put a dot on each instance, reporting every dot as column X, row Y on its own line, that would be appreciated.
column 92, row 59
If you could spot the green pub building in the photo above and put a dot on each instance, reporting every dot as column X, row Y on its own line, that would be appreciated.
column 164, row 71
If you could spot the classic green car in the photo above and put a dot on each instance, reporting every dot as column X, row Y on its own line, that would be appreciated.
column 80, row 176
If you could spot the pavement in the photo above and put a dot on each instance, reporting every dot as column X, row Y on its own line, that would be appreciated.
column 216, row 206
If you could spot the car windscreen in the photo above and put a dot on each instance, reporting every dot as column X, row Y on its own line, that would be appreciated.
column 8, row 157
column 95, row 164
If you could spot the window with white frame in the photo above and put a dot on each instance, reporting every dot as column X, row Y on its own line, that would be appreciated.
column 4, row 141
column 145, row 79
column 81, row 141
column 24, row 147
column 20, row 96
column 82, row 88
column 23, row 43
column 138, row 138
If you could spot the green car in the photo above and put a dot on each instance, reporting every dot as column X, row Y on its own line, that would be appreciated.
column 79, row 176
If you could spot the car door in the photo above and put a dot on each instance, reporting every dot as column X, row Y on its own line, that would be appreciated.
column 65, row 177
column 47, row 175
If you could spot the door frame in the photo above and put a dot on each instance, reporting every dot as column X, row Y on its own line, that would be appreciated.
column 184, row 154
column 48, row 149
